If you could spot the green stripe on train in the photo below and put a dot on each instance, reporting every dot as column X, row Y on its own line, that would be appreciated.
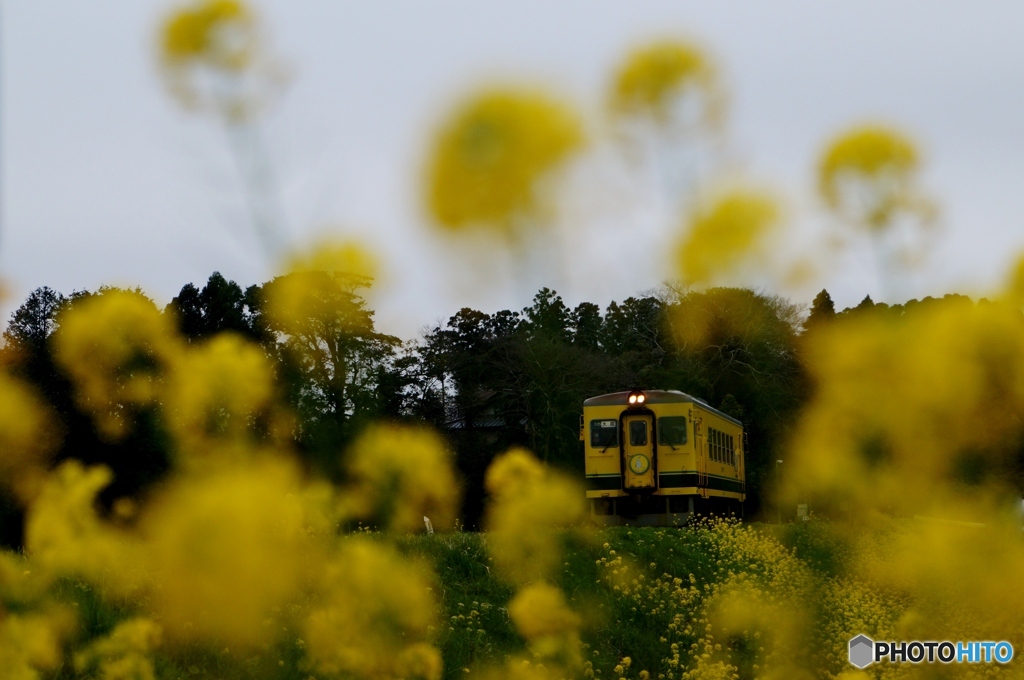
column 603, row 482
column 673, row 480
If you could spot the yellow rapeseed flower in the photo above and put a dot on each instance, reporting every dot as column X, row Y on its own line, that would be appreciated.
column 124, row 654
column 117, row 347
column 215, row 32
column 65, row 536
column 512, row 472
column 225, row 549
column 525, row 518
column 725, row 232
column 374, row 616
column 490, row 154
column 335, row 256
column 31, row 642
column 316, row 291
column 400, row 474
column 26, row 432
column 655, row 76
column 540, row 611
column 216, row 393
column 866, row 175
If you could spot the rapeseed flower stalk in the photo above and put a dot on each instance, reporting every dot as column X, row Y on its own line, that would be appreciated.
column 214, row 57
column 117, row 348
column 660, row 79
column 399, row 475
column 490, row 155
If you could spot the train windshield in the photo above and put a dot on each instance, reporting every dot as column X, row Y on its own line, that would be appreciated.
column 638, row 433
column 672, row 430
column 604, row 433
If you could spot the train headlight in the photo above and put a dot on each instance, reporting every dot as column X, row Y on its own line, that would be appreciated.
column 636, row 398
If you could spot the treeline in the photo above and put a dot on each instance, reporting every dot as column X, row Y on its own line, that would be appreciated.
column 487, row 381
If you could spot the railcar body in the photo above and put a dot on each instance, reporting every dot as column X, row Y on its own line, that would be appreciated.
column 659, row 456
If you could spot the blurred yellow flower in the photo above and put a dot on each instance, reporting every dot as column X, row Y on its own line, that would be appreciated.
column 218, row 33
column 124, row 654
column 866, row 175
column 65, row 536
column 903, row 404
column 226, row 548
column 654, row 77
column 117, row 347
column 490, row 154
column 543, row 617
column 724, row 232
column 31, row 642
column 216, row 393
column 335, row 257
column 26, row 430
column 400, row 474
column 513, row 472
column 539, row 610
column 374, row 617
column 526, row 514
column 317, row 289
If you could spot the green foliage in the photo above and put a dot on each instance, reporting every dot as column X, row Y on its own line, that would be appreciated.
column 823, row 310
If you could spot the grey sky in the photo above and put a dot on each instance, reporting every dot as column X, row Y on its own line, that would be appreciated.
column 105, row 180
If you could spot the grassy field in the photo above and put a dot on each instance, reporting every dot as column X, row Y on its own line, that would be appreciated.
column 641, row 591
column 644, row 595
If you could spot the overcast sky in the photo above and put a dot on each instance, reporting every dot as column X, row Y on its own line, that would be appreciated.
column 106, row 181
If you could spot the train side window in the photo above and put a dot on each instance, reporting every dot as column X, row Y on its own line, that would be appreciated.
column 672, row 431
column 638, row 433
column 604, row 434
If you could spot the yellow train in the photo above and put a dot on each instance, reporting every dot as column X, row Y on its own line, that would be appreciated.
column 659, row 456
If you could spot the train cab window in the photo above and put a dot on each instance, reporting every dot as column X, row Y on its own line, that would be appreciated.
column 671, row 431
column 604, row 434
column 638, row 433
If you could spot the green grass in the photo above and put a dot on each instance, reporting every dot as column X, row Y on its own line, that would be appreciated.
column 475, row 626
column 614, row 626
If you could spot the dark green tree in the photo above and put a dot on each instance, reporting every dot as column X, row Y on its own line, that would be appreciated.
column 220, row 306
column 823, row 310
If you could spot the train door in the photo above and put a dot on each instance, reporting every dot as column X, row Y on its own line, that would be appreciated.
column 700, row 455
column 639, row 451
